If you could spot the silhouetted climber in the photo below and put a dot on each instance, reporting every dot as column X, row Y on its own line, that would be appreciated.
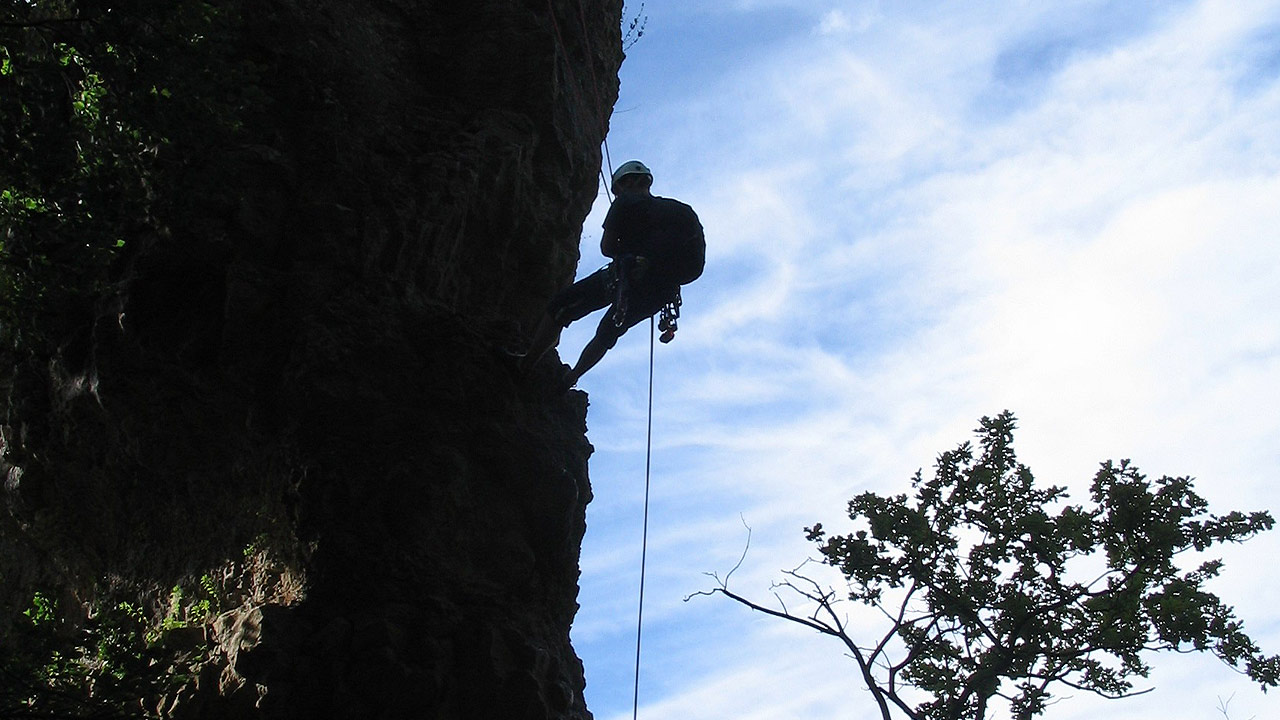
column 656, row 245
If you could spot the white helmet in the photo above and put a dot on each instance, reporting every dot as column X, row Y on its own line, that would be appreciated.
column 630, row 167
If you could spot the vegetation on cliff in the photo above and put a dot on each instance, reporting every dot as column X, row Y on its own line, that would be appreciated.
column 258, row 452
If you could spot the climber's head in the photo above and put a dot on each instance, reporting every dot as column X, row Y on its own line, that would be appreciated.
column 631, row 175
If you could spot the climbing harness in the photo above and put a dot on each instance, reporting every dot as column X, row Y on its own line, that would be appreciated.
column 644, row 533
column 670, row 314
column 619, row 281
column 620, row 285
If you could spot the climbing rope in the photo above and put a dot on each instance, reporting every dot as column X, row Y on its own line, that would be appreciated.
column 644, row 533
column 606, row 180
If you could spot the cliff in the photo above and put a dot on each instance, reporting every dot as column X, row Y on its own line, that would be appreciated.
column 279, row 436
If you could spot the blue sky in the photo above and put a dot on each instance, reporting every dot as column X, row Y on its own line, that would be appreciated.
column 918, row 214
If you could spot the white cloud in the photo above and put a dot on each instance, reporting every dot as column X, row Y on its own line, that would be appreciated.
column 835, row 22
column 894, row 254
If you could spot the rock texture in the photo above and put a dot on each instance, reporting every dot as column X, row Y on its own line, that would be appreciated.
column 294, row 398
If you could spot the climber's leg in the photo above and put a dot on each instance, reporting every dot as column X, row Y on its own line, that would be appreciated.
column 575, row 302
column 591, row 354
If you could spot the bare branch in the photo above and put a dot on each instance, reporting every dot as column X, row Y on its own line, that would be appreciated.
column 747, row 545
column 724, row 583
column 1222, row 707
column 820, row 627
column 1102, row 694
column 897, row 622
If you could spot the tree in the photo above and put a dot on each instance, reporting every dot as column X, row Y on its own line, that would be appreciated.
column 993, row 587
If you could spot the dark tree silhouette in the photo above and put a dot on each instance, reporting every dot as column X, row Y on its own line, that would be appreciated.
column 994, row 588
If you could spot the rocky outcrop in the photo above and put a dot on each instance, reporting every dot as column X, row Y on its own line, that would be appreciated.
column 291, row 404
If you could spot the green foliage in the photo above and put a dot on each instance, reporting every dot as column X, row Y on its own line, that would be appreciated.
column 100, row 668
column 116, row 662
column 41, row 611
column 185, row 611
column 102, row 105
column 998, row 588
column 112, row 114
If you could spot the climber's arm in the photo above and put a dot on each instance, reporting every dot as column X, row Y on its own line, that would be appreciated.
column 610, row 245
column 611, row 238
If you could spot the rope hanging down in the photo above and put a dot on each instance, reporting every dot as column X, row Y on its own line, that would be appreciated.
column 644, row 533
column 605, row 180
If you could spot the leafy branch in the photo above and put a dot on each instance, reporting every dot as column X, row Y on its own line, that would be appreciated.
column 635, row 29
column 974, row 576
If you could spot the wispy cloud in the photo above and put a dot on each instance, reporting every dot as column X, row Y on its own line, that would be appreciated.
column 917, row 218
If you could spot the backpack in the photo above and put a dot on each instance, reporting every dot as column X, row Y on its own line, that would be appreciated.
column 678, row 241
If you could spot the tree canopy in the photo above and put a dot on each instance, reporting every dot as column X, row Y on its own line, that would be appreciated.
column 992, row 587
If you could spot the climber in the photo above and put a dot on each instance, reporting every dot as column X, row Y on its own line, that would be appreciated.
column 656, row 245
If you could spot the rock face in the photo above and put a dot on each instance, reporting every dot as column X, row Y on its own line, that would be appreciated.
column 294, row 400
